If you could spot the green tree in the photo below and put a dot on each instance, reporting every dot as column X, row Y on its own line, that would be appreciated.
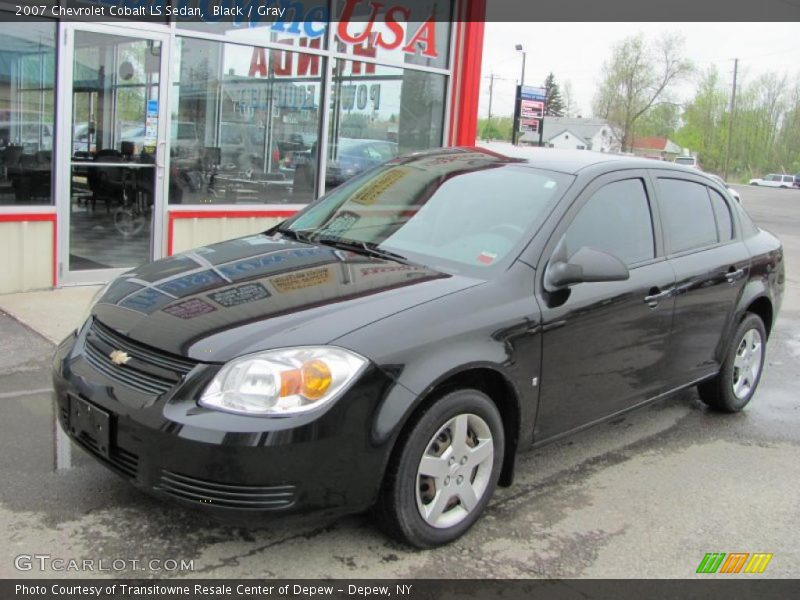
column 661, row 121
column 705, row 122
column 496, row 128
column 555, row 103
column 638, row 77
column 789, row 135
column 766, row 125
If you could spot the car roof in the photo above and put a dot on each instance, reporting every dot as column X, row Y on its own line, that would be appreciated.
column 569, row 161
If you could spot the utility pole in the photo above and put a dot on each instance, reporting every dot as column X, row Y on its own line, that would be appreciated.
column 541, row 121
column 515, row 133
column 730, row 119
column 491, row 88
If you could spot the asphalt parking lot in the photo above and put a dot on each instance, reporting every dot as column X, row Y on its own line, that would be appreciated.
column 646, row 495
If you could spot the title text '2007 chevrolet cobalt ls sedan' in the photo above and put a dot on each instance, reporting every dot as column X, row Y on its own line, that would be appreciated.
column 395, row 344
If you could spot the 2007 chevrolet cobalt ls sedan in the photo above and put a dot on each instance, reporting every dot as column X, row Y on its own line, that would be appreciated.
column 395, row 344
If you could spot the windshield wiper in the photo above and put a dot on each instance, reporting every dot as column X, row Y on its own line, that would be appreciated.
column 299, row 235
column 368, row 248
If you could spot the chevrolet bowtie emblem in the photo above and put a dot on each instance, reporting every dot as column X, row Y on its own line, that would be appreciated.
column 118, row 357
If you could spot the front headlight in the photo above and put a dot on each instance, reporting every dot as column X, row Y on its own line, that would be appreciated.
column 283, row 382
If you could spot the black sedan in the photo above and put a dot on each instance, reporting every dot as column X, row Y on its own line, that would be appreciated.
column 395, row 344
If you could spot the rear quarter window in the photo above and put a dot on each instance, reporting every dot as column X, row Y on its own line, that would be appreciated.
column 722, row 212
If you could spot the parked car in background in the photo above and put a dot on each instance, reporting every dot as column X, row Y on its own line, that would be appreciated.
column 350, row 157
column 777, row 180
column 397, row 342
column 687, row 161
column 724, row 184
column 797, row 180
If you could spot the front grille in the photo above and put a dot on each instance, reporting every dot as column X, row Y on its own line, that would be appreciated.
column 225, row 495
column 150, row 371
column 121, row 460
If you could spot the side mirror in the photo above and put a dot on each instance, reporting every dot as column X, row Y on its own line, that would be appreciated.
column 586, row 265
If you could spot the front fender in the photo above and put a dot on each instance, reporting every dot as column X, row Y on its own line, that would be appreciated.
column 490, row 331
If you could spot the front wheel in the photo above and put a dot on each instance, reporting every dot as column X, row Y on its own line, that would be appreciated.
column 444, row 471
column 734, row 386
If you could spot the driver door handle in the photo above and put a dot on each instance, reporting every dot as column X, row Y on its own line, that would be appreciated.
column 656, row 295
column 734, row 276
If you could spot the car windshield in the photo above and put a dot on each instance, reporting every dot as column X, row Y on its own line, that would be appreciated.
column 457, row 211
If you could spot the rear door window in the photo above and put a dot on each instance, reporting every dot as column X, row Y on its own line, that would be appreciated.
column 688, row 216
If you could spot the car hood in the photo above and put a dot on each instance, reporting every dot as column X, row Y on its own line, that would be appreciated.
column 258, row 292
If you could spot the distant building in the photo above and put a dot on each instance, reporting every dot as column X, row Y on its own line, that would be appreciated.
column 655, row 147
column 575, row 133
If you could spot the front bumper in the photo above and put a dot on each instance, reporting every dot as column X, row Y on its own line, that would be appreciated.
column 220, row 462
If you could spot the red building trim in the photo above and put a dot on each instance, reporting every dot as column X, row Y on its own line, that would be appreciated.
column 467, row 73
column 22, row 217
column 218, row 214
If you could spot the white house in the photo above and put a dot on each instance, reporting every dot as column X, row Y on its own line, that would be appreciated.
column 575, row 133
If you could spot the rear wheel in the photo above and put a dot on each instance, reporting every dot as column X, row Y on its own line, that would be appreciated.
column 734, row 386
column 444, row 472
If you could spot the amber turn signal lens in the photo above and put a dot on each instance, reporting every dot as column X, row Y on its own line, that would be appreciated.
column 316, row 379
column 291, row 382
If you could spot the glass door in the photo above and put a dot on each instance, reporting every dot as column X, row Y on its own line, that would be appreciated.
column 114, row 136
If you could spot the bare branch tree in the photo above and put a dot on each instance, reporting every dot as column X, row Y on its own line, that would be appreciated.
column 637, row 78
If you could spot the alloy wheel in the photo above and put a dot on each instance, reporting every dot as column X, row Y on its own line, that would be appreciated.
column 747, row 363
column 454, row 471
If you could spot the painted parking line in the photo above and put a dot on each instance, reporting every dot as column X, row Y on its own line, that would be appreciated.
column 19, row 393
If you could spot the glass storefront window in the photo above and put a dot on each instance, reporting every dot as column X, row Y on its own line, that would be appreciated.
column 378, row 113
column 27, row 124
column 243, row 118
column 112, row 168
column 415, row 32
column 301, row 18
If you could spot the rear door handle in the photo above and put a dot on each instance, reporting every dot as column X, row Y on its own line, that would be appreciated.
column 734, row 276
column 657, row 296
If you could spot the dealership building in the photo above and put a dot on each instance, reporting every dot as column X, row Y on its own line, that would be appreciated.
column 124, row 141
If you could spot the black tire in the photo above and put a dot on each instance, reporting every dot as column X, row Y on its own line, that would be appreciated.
column 397, row 511
column 718, row 393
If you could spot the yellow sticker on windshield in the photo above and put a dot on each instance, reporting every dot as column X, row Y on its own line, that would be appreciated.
column 369, row 193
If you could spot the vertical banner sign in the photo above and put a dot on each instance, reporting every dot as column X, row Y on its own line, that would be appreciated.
column 529, row 110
